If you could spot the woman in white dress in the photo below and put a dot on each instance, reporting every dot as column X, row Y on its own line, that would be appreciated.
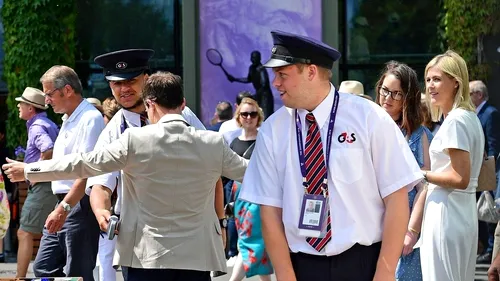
column 449, row 234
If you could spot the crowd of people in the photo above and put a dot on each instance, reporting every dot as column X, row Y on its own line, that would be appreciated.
column 332, row 186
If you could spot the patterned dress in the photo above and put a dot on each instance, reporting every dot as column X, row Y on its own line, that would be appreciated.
column 4, row 209
column 409, row 268
column 250, row 240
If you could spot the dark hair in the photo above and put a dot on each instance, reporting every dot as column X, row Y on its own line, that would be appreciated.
column 224, row 110
column 38, row 110
column 242, row 95
column 412, row 115
column 165, row 89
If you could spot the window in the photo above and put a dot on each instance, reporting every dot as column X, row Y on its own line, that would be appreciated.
column 109, row 25
column 374, row 32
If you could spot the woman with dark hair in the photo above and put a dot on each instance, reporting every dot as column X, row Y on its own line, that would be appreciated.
column 399, row 95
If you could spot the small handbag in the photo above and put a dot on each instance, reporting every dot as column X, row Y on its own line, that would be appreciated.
column 487, row 180
column 486, row 208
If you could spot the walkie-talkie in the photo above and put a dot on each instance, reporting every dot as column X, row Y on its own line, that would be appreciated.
column 112, row 226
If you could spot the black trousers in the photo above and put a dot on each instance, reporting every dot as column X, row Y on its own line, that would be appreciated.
column 356, row 264
column 142, row 274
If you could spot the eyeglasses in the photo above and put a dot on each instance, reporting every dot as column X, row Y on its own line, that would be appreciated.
column 396, row 95
column 251, row 114
column 51, row 93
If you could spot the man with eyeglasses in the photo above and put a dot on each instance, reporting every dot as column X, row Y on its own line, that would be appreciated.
column 69, row 243
column 344, row 154
column 489, row 117
column 126, row 71
column 169, row 229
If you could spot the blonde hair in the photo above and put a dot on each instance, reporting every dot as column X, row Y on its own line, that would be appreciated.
column 109, row 107
column 250, row 101
column 453, row 65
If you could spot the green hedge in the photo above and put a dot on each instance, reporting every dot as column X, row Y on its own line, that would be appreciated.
column 37, row 35
column 465, row 21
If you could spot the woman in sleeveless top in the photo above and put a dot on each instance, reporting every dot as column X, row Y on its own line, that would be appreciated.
column 252, row 258
column 399, row 95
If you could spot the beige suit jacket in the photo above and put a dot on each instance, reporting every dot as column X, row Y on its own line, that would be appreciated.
column 168, row 218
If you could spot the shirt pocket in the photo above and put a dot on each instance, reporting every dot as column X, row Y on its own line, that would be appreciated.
column 346, row 164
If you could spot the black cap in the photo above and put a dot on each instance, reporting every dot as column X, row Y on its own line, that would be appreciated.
column 292, row 48
column 124, row 64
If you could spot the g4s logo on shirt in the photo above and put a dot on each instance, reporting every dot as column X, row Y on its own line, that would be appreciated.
column 345, row 137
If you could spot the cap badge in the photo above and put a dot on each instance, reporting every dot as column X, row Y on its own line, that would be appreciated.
column 121, row 65
column 273, row 50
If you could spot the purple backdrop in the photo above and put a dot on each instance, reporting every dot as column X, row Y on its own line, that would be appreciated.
column 238, row 27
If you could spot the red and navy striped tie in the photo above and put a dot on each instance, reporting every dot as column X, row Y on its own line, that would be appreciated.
column 316, row 172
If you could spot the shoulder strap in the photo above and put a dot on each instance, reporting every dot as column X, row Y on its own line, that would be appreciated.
column 249, row 150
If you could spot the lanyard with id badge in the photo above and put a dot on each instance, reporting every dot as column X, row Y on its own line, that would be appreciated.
column 314, row 210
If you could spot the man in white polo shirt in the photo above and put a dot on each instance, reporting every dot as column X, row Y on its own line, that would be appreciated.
column 71, row 234
column 343, row 154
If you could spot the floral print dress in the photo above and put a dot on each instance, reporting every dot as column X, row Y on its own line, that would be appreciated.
column 250, row 240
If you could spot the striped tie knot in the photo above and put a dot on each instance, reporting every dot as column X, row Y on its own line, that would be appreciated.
column 144, row 119
column 310, row 118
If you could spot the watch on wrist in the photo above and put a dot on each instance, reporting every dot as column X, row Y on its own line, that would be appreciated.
column 223, row 222
column 66, row 207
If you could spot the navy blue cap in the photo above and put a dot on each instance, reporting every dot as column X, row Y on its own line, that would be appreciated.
column 292, row 48
column 124, row 64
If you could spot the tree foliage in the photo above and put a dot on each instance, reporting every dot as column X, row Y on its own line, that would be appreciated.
column 465, row 23
column 37, row 35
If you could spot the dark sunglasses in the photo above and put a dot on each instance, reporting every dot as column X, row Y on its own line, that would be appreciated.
column 252, row 114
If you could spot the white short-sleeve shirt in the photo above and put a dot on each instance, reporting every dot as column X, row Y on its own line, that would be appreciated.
column 111, row 133
column 369, row 160
column 79, row 133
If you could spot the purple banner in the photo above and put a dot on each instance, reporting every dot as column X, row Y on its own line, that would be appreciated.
column 236, row 28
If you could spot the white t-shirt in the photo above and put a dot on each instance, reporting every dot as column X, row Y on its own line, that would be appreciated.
column 79, row 133
column 375, row 163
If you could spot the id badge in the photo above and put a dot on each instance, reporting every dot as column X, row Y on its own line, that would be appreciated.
column 312, row 216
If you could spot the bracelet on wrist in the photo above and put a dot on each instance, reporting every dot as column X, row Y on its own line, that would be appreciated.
column 412, row 230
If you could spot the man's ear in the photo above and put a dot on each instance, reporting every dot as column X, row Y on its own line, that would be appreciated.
column 183, row 105
column 312, row 71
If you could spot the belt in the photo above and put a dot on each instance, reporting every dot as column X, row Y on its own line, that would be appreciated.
column 60, row 196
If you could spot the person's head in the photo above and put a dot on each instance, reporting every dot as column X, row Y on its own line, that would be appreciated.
column 255, row 57
column 399, row 95
column 127, row 71
column 224, row 111
column 96, row 103
column 249, row 115
column 163, row 94
column 447, row 84
column 302, row 68
column 31, row 103
column 352, row 87
column 241, row 95
column 478, row 92
column 62, row 88
column 109, row 108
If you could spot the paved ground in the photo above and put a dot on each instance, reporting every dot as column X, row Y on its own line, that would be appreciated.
column 9, row 270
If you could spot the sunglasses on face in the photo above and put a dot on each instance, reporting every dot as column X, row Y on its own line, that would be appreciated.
column 396, row 95
column 251, row 114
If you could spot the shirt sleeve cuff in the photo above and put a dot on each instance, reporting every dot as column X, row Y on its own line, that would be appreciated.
column 261, row 200
column 409, row 182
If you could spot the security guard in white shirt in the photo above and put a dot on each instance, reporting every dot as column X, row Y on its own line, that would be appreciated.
column 340, row 152
column 126, row 72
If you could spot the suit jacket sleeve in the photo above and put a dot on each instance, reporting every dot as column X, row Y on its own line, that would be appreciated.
column 112, row 157
column 493, row 133
column 233, row 166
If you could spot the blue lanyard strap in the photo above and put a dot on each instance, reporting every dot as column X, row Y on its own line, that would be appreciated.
column 300, row 144
column 123, row 125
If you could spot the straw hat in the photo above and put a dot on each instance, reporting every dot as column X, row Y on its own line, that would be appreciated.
column 33, row 97
column 94, row 101
column 352, row 87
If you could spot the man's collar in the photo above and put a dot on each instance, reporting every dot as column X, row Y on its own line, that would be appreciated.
column 480, row 106
column 132, row 117
column 84, row 103
column 172, row 117
column 322, row 111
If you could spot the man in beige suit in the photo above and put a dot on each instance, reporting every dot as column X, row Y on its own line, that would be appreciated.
column 169, row 229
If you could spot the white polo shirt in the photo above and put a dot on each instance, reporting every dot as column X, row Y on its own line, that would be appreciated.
column 376, row 162
column 111, row 133
column 79, row 133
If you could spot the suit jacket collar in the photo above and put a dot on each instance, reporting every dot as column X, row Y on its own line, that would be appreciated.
column 172, row 117
column 483, row 108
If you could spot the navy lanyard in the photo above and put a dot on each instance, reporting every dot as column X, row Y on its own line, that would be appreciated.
column 124, row 125
column 300, row 144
